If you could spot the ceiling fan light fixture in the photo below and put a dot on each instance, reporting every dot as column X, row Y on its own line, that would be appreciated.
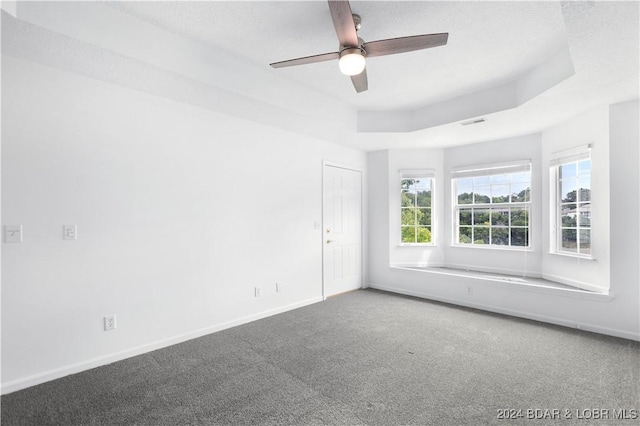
column 351, row 61
column 353, row 51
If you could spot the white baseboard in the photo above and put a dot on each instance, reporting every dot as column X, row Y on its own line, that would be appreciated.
column 46, row 376
column 514, row 313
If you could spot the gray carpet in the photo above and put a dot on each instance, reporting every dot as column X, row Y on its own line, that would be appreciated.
column 366, row 357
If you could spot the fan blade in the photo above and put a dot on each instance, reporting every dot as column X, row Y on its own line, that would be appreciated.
column 360, row 81
column 306, row 60
column 343, row 23
column 405, row 44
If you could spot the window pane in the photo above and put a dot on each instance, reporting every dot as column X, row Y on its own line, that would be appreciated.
column 465, row 217
column 585, row 241
column 500, row 236
column 567, row 170
column 424, row 216
column 568, row 190
column 585, row 192
column 464, row 191
column 410, row 184
column 484, row 213
column 584, row 167
column 584, row 214
column 465, row 182
column 480, row 235
column 500, row 179
column 569, row 218
column 520, row 237
column 423, row 199
column 519, row 217
column 481, row 217
column 422, row 185
column 482, row 194
column 464, row 235
column 569, row 240
column 407, row 199
column 407, row 184
column 408, row 234
column 423, row 235
column 500, row 217
column 520, row 193
column 482, row 181
column 574, row 216
column 500, row 193
column 465, row 197
column 408, row 216
column 524, row 177
column 415, row 210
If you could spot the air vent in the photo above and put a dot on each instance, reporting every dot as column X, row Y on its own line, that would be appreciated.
column 476, row 121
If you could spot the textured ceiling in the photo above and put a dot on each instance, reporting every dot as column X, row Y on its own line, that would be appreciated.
column 489, row 42
column 522, row 65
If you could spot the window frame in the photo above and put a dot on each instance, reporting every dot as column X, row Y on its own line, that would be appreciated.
column 418, row 174
column 559, row 159
column 488, row 172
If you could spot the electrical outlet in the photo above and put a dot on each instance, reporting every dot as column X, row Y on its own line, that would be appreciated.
column 70, row 232
column 257, row 291
column 13, row 233
column 110, row 322
column 279, row 288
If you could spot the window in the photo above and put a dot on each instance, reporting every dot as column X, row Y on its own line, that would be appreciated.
column 492, row 205
column 416, row 206
column 572, row 192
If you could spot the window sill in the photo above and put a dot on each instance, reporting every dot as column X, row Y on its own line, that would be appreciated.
column 573, row 256
column 493, row 247
column 417, row 245
column 537, row 285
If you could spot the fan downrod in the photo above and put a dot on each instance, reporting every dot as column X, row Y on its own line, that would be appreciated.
column 352, row 50
column 357, row 21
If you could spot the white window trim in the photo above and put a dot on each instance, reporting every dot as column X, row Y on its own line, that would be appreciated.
column 558, row 158
column 570, row 155
column 428, row 174
column 491, row 169
column 517, row 166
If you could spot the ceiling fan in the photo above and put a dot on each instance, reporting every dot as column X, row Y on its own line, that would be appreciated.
column 353, row 50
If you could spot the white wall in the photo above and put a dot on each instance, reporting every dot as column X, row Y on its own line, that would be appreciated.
column 614, row 133
column 589, row 128
column 377, row 232
column 414, row 159
column 624, row 140
column 490, row 258
column 181, row 211
column 443, row 161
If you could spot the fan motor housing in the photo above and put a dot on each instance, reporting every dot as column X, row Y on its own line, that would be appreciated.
column 350, row 50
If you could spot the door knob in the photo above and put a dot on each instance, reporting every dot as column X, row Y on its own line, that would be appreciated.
column 329, row 241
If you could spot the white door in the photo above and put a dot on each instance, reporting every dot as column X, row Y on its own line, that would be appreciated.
column 342, row 233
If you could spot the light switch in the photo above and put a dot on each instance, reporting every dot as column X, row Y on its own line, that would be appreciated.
column 13, row 233
column 70, row 232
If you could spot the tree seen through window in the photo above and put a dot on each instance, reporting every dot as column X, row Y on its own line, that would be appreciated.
column 415, row 204
column 574, row 207
column 493, row 208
